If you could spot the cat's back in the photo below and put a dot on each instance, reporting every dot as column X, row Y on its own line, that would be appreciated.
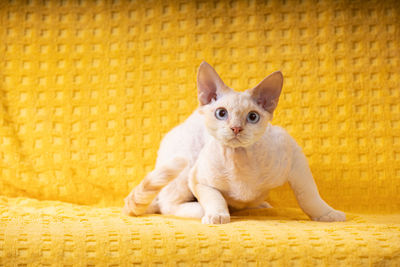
column 185, row 140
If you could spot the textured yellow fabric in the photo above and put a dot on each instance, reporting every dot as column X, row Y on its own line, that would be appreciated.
column 50, row 232
column 88, row 89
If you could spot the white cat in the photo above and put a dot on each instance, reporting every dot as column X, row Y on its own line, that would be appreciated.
column 227, row 154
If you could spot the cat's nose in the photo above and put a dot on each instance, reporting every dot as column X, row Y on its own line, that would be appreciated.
column 236, row 130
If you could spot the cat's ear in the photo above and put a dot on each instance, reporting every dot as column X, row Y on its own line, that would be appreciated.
column 209, row 84
column 267, row 92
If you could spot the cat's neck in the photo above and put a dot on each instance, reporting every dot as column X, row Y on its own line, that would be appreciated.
column 235, row 150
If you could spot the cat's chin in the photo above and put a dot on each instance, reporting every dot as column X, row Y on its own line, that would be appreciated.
column 236, row 142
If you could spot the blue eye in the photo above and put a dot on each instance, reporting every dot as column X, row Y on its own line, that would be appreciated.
column 253, row 117
column 221, row 114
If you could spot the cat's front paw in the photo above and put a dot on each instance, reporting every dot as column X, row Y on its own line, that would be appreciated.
column 216, row 218
column 332, row 216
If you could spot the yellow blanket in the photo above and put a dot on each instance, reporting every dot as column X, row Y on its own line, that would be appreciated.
column 88, row 89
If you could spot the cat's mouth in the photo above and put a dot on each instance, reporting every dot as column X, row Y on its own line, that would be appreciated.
column 235, row 139
column 238, row 141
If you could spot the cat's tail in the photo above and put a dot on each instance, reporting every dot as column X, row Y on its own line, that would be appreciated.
column 137, row 202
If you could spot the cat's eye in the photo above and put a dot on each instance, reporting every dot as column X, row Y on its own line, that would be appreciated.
column 221, row 114
column 253, row 117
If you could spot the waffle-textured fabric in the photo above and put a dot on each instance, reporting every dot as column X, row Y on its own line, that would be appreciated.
column 88, row 89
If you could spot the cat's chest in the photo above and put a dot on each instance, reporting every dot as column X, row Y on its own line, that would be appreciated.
column 245, row 175
column 240, row 185
column 242, row 171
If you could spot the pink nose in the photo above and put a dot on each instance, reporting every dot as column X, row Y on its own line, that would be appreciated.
column 236, row 130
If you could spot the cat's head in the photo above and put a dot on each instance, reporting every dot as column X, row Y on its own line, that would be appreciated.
column 236, row 119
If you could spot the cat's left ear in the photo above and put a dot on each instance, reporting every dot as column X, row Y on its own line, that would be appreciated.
column 267, row 92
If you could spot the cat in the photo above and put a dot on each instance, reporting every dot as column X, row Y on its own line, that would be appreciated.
column 227, row 155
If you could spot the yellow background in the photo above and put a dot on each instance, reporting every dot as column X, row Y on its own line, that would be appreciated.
column 88, row 89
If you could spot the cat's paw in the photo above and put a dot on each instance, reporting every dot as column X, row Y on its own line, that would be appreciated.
column 127, row 210
column 332, row 216
column 216, row 218
column 265, row 205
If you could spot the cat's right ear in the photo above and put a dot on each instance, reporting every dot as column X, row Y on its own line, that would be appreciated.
column 209, row 85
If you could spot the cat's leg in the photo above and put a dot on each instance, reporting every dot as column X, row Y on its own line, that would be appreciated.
column 253, row 206
column 211, row 200
column 215, row 207
column 188, row 209
column 139, row 199
column 177, row 199
column 306, row 191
